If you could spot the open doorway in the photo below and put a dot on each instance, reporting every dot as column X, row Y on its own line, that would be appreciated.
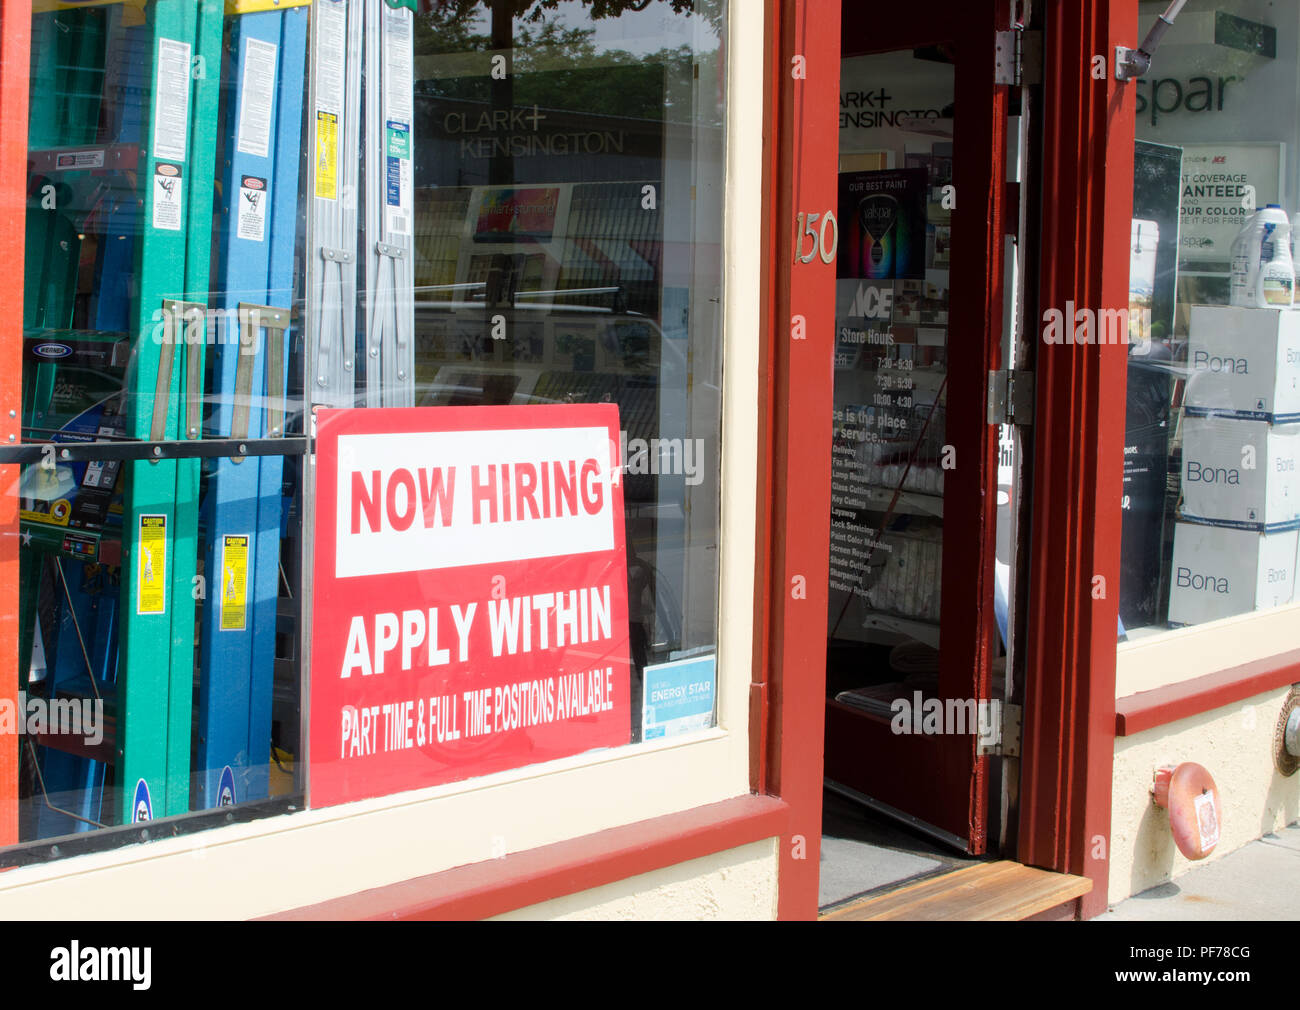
column 922, row 486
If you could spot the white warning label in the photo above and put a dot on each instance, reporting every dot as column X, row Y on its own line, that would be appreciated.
column 251, row 224
column 256, row 98
column 167, row 194
column 171, row 106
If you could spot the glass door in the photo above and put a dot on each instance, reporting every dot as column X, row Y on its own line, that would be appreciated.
column 913, row 639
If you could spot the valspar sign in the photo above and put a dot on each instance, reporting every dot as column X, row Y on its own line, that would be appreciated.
column 470, row 594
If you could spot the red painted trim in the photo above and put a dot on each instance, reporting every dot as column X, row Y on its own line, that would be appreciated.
column 1163, row 705
column 521, row 879
column 804, row 179
column 15, row 31
column 758, row 715
column 1086, row 208
column 760, row 710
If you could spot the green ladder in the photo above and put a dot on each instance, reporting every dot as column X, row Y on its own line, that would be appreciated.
column 165, row 392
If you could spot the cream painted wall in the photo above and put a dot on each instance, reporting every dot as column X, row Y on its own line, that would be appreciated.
column 733, row 884
column 1171, row 657
column 1235, row 744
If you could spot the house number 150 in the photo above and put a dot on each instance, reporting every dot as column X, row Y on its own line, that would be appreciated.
column 805, row 228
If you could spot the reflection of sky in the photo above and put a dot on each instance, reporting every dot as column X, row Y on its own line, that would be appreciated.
column 637, row 32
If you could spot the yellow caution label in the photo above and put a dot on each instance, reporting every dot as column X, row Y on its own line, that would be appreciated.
column 151, row 565
column 234, row 582
column 327, row 155
column 254, row 6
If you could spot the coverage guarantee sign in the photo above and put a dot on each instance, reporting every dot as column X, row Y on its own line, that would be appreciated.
column 470, row 594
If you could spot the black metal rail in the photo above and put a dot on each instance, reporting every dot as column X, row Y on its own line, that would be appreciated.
column 202, row 448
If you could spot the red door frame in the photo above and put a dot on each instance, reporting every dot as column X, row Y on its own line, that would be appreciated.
column 1069, row 720
column 794, row 493
column 15, row 29
column 1068, row 748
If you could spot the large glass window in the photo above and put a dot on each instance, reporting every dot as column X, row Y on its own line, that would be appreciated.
column 567, row 225
column 238, row 213
column 1212, row 453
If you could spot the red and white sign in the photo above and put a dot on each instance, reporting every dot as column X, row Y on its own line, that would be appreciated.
column 469, row 594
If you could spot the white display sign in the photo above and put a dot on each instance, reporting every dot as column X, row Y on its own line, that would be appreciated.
column 419, row 501
column 1222, row 184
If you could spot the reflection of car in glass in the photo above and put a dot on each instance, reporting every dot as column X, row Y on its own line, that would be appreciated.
column 556, row 347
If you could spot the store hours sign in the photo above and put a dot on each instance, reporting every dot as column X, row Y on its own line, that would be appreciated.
column 469, row 608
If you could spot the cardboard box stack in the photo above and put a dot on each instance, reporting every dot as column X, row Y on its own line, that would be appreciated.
column 1236, row 539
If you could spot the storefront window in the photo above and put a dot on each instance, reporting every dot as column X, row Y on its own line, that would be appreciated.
column 1212, row 452
column 567, row 226
column 239, row 213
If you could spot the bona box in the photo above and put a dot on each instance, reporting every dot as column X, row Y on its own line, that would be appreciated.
column 1244, row 363
column 1244, row 474
column 1218, row 572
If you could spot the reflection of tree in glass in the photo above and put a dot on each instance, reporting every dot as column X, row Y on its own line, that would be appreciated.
column 559, row 67
column 461, row 13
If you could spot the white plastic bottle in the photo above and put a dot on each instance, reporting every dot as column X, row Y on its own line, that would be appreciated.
column 1263, row 273
column 1274, row 280
column 1295, row 227
column 1239, row 292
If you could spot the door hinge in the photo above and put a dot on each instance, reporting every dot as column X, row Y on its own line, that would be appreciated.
column 999, row 729
column 1019, row 55
column 1011, row 397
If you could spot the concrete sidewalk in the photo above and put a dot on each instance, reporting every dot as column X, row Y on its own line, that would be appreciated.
column 1258, row 881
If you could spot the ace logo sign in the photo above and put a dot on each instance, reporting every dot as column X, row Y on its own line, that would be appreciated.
column 470, row 594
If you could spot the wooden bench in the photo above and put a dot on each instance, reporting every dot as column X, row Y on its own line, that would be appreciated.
column 1002, row 890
